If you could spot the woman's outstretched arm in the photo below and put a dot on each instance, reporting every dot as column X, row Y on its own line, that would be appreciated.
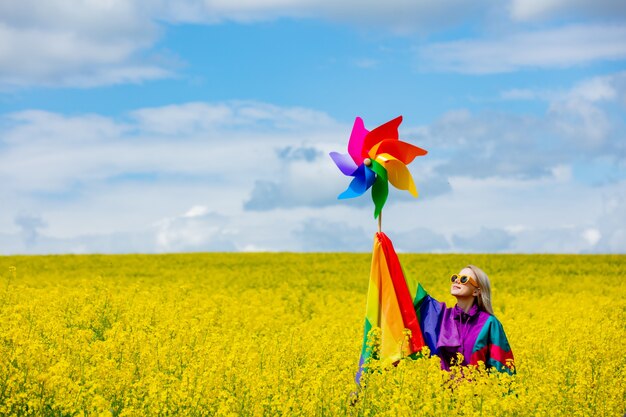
column 429, row 313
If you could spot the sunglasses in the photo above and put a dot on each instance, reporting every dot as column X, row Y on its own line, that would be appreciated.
column 463, row 279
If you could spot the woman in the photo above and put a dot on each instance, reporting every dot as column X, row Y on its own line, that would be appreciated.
column 469, row 328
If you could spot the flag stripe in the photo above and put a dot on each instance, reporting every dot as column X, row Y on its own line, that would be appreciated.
column 403, row 297
column 389, row 308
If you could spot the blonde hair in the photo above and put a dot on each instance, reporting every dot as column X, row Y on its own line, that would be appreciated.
column 484, row 295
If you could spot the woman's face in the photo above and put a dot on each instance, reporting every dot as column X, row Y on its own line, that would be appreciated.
column 464, row 290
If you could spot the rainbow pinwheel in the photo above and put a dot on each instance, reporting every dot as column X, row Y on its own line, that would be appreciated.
column 376, row 158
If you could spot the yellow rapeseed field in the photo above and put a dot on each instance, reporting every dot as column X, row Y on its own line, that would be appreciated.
column 280, row 334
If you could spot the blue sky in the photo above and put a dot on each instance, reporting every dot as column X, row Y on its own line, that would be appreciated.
column 190, row 126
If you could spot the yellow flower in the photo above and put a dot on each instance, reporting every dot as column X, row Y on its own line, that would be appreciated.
column 252, row 335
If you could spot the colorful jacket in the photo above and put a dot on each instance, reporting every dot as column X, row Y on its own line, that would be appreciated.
column 478, row 335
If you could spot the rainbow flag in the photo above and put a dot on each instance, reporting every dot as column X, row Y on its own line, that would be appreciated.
column 390, row 308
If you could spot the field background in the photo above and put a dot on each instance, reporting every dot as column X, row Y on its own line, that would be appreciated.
column 271, row 334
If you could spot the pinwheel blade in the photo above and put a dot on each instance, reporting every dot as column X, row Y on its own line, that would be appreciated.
column 398, row 174
column 355, row 145
column 400, row 150
column 344, row 162
column 380, row 189
column 388, row 130
column 363, row 179
column 378, row 169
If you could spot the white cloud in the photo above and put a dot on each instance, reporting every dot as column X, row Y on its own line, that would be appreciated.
column 196, row 232
column 490, row 144
column 592, row 236
column 590, row 114
column 321, row 235
column 611, row 224
column 29, row 225
column 61, row 43
column 420, row 239
column 93, row 43
column 541, row 9
column 562, row 173
column 515, row 228
column 581, row 126
column 562, row 47
column 486, row 240
column 397, row 15
column 48, row 151
column 562, row 239
column 112, row 242
column 474, row 219
column 122, row 184
column 513, row 216
column 298, row 183
column 186, row 118
column 582, row 120
column 588, row 118
column 133, row 173
column 598, row 89
column 196, row 211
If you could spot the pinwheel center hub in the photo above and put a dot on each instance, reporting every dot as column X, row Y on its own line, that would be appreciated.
column 367, row 162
